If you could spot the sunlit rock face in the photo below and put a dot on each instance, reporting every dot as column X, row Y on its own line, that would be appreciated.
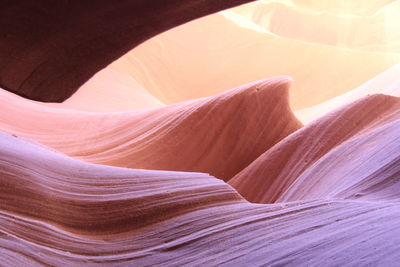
column 263, row 135
column 356, row 7
column 335, row 26
column 111, row 89
column 387, row 83
column 326, row 53
column 49, row 49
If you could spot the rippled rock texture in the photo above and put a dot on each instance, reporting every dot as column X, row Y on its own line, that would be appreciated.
column 244, row 138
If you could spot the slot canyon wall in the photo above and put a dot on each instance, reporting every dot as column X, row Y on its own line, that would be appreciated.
column 199, row 133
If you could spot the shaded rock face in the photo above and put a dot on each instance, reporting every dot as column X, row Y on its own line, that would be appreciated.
column 49, row 48
column 56, row 210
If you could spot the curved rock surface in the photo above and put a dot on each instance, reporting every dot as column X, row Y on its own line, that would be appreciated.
column 49, row 48
column 387, row 82
column 219, row 135
column 356, row 7
column 110, row 90
column 226, row 50
column 53, row 213
column 326, row 194
column 268, row 177
column 366, row 167
column 375, row 32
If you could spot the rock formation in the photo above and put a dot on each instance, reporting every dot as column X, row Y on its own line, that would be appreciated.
column 49, row 48
column 148, row 157
column 219, row 135
column 227, row 49
column 59, row 211
column 268, row 178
